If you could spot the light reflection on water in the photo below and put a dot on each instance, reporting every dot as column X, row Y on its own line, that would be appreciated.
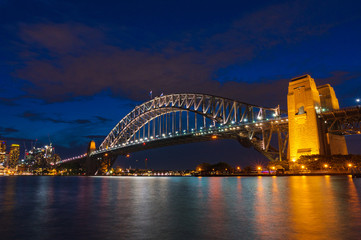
column 298, row 207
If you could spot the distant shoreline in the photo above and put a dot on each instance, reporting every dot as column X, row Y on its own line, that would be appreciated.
column 231, row 175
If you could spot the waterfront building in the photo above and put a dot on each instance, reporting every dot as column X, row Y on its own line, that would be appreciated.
column 14, row 154
column 2, row 170
column 2, row 152
column 42, row 156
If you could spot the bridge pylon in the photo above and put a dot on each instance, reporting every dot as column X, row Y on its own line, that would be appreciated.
column 307, row 132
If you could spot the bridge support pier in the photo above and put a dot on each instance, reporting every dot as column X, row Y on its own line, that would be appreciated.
column 98, row 165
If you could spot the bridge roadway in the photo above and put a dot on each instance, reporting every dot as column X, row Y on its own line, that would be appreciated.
column 246, row 134
column 345, row 121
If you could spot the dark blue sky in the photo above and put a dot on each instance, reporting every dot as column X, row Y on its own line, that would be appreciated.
column 70, row 70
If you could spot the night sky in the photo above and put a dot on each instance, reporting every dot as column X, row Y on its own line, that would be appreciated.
column 70, row 70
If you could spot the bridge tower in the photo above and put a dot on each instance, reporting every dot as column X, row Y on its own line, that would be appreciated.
column 307, row 134
column 91, row 165
column 333, row 143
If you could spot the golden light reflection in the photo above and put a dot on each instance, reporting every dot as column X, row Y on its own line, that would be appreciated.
column 268, row 204
column 313, row 208
column 354, row 201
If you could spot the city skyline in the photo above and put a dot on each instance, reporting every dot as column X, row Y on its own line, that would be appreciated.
column 71, row 71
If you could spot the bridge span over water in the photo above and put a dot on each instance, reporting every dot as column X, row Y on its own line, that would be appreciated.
column 313, row 124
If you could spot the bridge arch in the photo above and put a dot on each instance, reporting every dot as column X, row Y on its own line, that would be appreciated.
column 151, row 116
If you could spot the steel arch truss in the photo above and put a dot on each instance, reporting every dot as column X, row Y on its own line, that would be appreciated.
column 204, row 115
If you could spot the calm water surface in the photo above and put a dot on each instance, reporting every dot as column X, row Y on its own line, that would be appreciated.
column 298, row 207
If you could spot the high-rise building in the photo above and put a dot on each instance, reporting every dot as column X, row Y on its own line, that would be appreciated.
column 14, row 154
column 2, row 151
column 41, row 156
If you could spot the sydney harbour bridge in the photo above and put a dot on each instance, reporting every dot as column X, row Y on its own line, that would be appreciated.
column 313, row 124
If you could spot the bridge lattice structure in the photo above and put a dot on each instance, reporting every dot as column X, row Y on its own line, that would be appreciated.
column 183, row 118
column 345, row 121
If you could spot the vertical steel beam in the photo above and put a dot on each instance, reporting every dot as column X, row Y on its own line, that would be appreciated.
column 148, row 130
column 173, row 121
column 195, row 121
column 280, row 145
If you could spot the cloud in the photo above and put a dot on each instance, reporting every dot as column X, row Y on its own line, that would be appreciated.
column 4, row 131
column 40, row 117
column 78, row 60
column 97, row 137
column 60, row 39
column 102, row 119
column 80, row 121
column 16, row 139
column 8, row 101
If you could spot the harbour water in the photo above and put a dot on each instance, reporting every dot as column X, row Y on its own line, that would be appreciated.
column 295, row 207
